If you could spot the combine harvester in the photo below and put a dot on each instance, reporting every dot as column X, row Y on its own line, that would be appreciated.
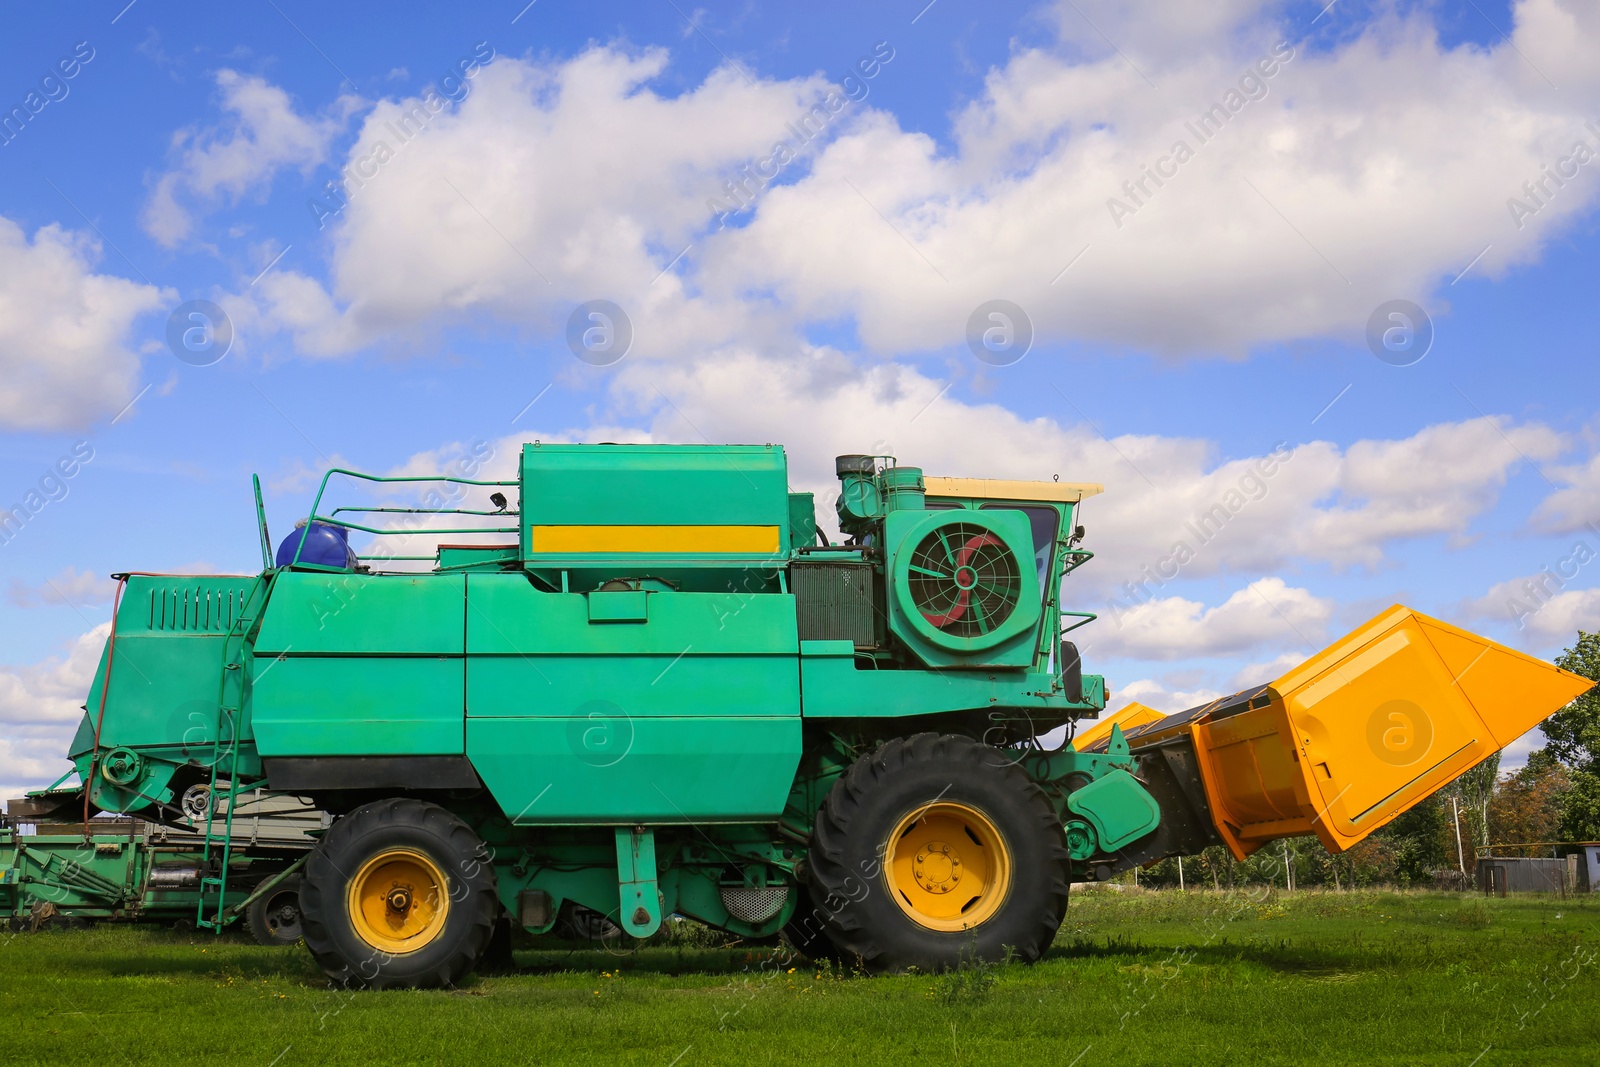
column 665, row 692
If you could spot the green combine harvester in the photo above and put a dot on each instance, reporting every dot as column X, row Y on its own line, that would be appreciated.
column 663, row 691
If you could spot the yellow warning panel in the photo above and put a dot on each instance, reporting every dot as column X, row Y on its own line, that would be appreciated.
column 1365, row 729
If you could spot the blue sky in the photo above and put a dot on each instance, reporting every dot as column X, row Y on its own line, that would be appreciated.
column 1173, row 345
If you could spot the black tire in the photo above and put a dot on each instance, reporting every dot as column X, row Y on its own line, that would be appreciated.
column 806, row 930
column 390, row 831
column 892, row 787
column 497, row 957
column 274, row 919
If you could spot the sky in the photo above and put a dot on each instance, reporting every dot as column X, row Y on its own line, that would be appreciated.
column 1328, row 269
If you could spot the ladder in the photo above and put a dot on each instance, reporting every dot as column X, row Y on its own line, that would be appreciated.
column 237, row 660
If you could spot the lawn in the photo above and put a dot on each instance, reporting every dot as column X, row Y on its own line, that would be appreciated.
column 1169, row 978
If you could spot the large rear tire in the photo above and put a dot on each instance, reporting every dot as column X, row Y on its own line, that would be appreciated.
column 936, row 848
column 398, row 894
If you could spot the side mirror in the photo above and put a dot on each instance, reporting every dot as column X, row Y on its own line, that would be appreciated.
column 1069, row 667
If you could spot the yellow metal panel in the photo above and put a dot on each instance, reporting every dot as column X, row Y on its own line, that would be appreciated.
column 993, row 489
column 603, row 540
column 1132, row 715
column 1367, row 728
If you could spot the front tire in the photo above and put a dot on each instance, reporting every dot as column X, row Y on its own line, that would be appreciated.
column 398, row 894
column 937, row 848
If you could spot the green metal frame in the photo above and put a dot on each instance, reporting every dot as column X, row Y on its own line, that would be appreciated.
column 333, row 520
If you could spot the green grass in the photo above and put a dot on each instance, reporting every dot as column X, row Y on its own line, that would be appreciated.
column 1198, row 978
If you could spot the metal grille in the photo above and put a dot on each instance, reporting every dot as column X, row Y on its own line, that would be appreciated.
column 195, row 609
column 754, row 904
column 964, row 580
column 834, row 602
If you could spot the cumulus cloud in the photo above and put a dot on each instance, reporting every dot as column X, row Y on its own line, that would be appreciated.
column 65, row 359
column 549, row 184
column 1576, row 504
column 1264, row 614
column 41, row 705
column 1309, row 501
column 262, row 135
column 1373, row 168
column 1547, row 609
column 1304, row 502
column 70, row 586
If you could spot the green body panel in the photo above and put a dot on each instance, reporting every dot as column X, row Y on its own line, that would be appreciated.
column 835, row 688
column 654, row 485
column 688, row 713
column 358, row 665
column 359, row 706
column 348, row 614
column 170, row 635
column 1118, row 808
column 607, row 768
column 802, row 519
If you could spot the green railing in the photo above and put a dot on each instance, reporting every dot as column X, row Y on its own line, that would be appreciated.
column 332, row 519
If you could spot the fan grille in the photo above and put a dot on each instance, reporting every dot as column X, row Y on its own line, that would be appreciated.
column 964, row 580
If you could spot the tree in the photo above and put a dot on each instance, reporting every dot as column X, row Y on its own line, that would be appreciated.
column 1574, row 739
column 1473, row 791
column 1528, row 806
column 1417, row 842
column 1574, row 731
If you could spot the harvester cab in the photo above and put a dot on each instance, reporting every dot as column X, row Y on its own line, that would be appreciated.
column 637, row 681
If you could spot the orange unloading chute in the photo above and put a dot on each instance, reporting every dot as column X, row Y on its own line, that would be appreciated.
column 1357, row 734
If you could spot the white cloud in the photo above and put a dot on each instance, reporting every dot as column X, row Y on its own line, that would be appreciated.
column 1574, row 506
column 1378, row 169
column 41, row 706
column 1261, row 673
column 70, row 586
column 263, row 135
column 1162, row 697
column 1264, row 614
column 1344, row 507
column 1374, row 170
column 64, row 354
column 1545, row 610
column 549, row 184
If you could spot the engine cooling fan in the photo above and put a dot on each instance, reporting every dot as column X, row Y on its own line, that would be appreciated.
column 964, row 580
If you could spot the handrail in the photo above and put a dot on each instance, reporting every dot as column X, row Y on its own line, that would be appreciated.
column 425, row 511
column 322, row 488
column 329, row 520
column 261, row 522
column 1084, row 618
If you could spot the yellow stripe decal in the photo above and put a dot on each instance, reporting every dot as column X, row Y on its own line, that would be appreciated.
column 596, row 540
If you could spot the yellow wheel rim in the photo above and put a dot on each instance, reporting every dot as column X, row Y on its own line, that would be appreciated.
column 948, row 867
column 398, row 901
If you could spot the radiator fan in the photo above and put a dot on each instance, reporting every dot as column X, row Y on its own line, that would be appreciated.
column 965, row 589
column 964, row 580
